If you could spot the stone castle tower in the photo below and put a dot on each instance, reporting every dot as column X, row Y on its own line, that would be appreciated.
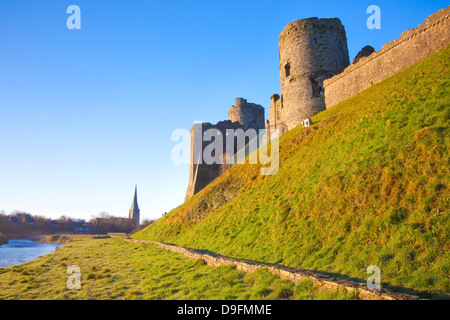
column 311, row 50
column 243, row 115
column 248, row 115
column 134, row 212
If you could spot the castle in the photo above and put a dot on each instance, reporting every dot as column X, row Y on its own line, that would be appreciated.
column 316, row 74
column 242, row 115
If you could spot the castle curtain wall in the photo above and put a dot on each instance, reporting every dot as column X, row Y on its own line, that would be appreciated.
column 412, row 46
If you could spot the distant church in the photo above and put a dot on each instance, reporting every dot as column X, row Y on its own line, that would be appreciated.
column 135, row 213
column 117, row 224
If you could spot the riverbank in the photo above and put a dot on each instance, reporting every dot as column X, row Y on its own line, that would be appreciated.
column 3, row 239
column 41, row 238
column 54, row 238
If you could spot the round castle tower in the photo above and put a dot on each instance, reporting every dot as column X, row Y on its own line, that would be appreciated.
column 249, row 115
column 311, row 50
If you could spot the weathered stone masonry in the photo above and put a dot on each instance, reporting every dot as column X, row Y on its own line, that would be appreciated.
column 412, row 46
column 311, row 50
column 243, row 115
column 286, row 273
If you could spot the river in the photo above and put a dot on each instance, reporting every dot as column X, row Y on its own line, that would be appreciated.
column 21, row 251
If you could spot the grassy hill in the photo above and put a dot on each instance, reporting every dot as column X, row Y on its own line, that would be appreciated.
column 368, row 184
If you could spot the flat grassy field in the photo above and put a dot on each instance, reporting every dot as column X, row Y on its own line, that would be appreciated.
column 367, row 184
column 115, row 269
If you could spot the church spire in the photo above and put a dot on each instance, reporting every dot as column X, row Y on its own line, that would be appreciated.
column 134, row 210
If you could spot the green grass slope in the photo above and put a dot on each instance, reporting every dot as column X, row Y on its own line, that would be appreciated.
column 368, row 184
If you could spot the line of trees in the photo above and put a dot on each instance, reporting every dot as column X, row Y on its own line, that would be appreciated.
column 19, row 222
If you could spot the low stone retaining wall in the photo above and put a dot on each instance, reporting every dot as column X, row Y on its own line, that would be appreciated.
column 116, row 234
column 286, row 273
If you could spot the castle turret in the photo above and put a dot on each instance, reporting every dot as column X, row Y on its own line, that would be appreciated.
column 311, row 50
column 249, row 115
column 243, row 115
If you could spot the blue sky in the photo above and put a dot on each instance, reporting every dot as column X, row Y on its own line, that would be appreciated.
column 87, row 114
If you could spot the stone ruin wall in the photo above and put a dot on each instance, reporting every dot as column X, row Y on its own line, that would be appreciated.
column 275, row 111
column 202, row 174
column 242, row 115
column 275, row 125
column 249, row 115
column 412, row 46
column 311, row 50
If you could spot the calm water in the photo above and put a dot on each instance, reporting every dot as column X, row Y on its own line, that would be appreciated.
column 20, row 251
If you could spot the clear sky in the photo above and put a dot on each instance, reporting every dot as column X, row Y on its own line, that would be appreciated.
column 87, row 114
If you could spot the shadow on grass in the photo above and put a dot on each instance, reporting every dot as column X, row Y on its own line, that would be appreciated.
column 386, row 286
column 421, row 294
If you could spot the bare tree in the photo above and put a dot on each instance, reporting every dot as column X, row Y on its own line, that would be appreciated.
column 103, row 215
